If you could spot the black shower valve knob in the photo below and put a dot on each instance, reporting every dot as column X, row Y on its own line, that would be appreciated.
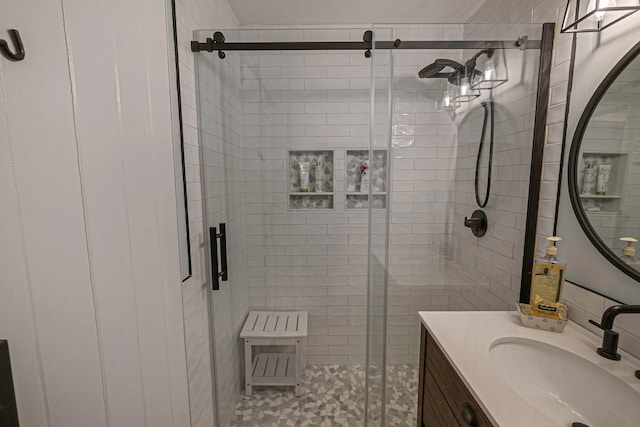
column 477, row 223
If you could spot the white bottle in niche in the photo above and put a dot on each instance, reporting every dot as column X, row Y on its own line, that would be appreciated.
column 604, row 170
column 589, row 180
column 304, row 177
column 318, row 177
column 364, row 177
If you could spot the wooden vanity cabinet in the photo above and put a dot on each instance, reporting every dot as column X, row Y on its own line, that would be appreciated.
column 443, row 399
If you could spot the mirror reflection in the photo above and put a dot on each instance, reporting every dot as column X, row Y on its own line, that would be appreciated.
column 608, row 167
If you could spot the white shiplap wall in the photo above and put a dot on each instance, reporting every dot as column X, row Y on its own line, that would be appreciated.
column 126, row 162
column 46, row 300
column 86, row 131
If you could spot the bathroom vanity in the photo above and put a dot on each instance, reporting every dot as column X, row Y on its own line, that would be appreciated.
column 486, row 369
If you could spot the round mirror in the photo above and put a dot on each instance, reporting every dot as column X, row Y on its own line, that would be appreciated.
column 604, row 166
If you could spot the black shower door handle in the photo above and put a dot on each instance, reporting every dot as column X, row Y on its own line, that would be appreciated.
column 223, row 274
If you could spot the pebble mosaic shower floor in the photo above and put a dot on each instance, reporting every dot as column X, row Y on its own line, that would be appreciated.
column 333, row 395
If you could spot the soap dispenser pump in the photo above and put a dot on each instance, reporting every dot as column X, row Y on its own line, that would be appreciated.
column 548, row 274
column 629, row 252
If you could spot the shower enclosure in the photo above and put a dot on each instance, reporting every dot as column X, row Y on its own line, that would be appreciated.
column 361, row 259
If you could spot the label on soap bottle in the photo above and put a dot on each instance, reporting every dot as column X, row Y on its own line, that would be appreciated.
column 547, row 281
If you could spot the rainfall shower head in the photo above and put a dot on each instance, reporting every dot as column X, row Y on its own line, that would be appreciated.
column 457, row 70
column 434, row 71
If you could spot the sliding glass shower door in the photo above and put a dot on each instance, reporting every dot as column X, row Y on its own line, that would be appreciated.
column 380, row 158
column 295, row 163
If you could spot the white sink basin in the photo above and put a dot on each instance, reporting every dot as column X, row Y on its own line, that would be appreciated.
column 563, row 385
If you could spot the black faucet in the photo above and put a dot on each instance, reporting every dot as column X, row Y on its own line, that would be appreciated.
column 609, row 347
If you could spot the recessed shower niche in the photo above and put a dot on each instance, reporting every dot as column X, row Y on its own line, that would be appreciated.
column 320, row 164
column 355, row 197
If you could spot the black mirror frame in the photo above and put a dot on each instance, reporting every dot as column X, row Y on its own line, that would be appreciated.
column 573, row 165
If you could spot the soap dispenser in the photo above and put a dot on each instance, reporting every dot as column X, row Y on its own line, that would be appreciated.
column 629, row 253
column 548, row 275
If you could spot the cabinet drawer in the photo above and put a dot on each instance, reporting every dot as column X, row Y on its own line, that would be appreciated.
column 461, row 403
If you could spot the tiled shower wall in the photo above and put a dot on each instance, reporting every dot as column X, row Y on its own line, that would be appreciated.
column 306, row 260
column 316, row 261
column 489, row 270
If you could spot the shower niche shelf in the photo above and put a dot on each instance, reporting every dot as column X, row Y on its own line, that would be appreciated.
column 311, row 200
column 612, row 202
column 354, row 199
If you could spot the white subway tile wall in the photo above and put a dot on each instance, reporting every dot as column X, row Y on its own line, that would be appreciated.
column 524, row 12
column 488, row 270
column 305, row 260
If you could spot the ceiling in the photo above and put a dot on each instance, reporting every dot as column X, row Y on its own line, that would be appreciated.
column 328, row 12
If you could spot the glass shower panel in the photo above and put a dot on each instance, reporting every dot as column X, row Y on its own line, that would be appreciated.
column 421, row 147
column 486, row 271
column 378, row 209
column 435, row 263
column 219, row 92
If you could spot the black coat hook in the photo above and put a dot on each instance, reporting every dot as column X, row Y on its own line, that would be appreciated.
column 17, row 41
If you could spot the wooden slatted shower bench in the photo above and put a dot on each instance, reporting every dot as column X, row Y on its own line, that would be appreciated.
column 273, row 328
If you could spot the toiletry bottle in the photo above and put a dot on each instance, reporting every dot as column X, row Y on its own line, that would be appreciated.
column 629, row 253
column 364, row 177
column 604, row 171
column 304, row 177
column 589, row 179
column 317, row 185
column 548, row 275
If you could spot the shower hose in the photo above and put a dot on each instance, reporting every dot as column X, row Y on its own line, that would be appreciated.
column 487, row 106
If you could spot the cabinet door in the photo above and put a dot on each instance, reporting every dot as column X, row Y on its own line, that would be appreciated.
column 436, row 411
column 460, row 401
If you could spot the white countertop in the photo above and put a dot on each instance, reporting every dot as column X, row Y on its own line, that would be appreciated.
column 466, row 337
